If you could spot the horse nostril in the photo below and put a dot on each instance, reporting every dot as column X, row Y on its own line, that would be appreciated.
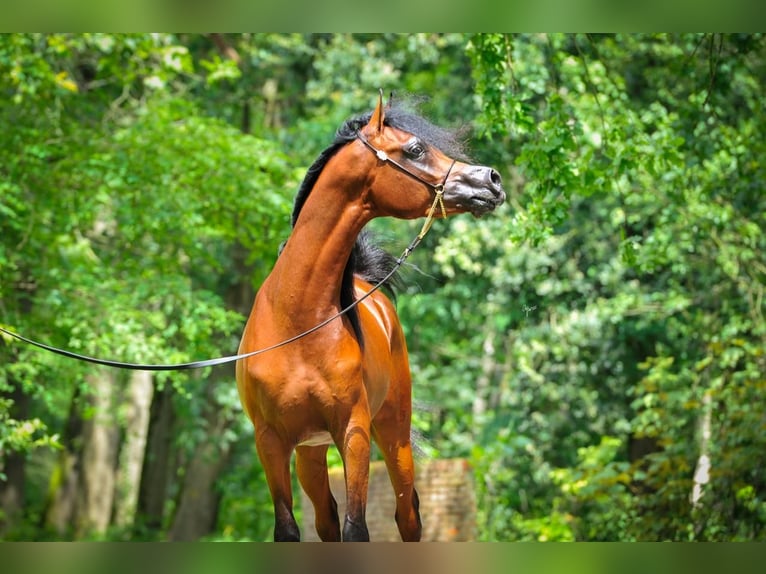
column 495, row 178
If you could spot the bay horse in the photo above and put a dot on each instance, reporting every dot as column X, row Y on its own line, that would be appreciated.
column 349, row 382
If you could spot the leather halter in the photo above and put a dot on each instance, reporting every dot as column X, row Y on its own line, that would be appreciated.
column 437, row 188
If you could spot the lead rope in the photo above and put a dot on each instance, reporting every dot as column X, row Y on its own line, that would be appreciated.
column 229, row 359
column 438, row 201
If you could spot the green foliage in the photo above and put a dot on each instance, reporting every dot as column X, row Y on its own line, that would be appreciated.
column 123, row 208
column 22, row 436
column 638, row 295
column 583, row 346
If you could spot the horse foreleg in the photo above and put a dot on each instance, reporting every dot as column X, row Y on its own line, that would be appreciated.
column 355, row 451
column 311, row 467
column 275, row 455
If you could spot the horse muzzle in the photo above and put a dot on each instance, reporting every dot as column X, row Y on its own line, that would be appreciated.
column 477, row 189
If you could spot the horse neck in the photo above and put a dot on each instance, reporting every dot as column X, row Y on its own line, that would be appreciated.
column 309, row 272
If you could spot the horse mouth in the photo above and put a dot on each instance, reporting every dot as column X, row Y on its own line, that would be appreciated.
column 477, row 191
column 480, row 205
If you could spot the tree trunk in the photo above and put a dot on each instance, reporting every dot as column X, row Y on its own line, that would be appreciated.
column 197, row 509
column 99, row 458
column 158, row 459
column 198, row 503
column 12, row 491
column 65, row 478
column 702, row 472
column 13, row 465
column 485, row 377
column 138, row 402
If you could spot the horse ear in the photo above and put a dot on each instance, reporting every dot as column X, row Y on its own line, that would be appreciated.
column 375, row 125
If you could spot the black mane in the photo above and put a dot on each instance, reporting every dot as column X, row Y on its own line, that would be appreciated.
column 368, row 260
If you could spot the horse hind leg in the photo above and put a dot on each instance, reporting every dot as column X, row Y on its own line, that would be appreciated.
column 311, row 467
column 275, row 455
column 397, row 453
column 391, row 431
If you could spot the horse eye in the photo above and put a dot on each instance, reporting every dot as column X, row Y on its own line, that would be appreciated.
column 415, row 150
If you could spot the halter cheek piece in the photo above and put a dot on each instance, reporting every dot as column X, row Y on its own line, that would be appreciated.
column 437, row 188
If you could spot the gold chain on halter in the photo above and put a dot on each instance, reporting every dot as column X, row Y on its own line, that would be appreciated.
column 438, row 200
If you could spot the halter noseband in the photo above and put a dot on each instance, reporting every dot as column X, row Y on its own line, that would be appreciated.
column 437, row 188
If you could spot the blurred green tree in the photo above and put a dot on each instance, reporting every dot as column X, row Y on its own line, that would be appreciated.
column 595, row 348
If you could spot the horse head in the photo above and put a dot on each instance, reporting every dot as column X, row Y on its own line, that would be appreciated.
column 412, row 172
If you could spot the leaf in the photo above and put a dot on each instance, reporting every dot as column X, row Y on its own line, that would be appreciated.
column 63, row 80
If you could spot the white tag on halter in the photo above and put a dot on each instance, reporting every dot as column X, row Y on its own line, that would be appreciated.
column 382, row 156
